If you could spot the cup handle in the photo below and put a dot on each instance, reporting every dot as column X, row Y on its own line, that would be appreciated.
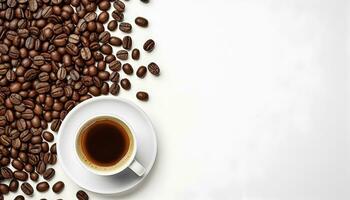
column 137, row 168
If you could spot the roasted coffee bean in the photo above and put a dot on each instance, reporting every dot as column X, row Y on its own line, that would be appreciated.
column 103, row 17
column 119, row 6
column 27, row 188
column 61, row 73
column 143, row 96
column 127, row 68
column 13, row 186
column 125, row 83
column 25, row 136
column 16, row 99
column 85, row 53
column 42, row 87
column 58, row 187
column 27, row 114
column 41, row 168
column 127, row 42
column 19, row 197
column 154, row 69
column 5, row 140
column 141, row 21
column 6, row 172
column 34, row 176
column 39, row 60
column 49, row 174
column 122, row 55
column 114, row 77
column 115, row 41
column 72, row 49
column 55, row 125
column 17, row 164
column 114, row 89
column 81, row 195
column 57, row 92
column 42, row 186
column 20, row 175
column 135, row 54
column 149, row 45
column 145, row 1
column 35, row 149
column 104, row 5
column 112, row 26
column 118, row 16
column 115, row 65
column 21, row 124
column 48, row 136
column 104, row 37
column 141, row 72
column 106, row 49
column 125, row 27
column 105, row 88
column 4, row 189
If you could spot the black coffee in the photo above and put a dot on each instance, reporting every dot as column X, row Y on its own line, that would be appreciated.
column 104, row 142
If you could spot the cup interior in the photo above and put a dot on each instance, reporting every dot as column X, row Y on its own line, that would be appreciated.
column 99, row 169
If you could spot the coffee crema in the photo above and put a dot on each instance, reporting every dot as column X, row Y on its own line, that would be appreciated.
column 104, row 142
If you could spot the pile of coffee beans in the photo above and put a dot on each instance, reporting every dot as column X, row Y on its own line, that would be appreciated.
column 55, row 54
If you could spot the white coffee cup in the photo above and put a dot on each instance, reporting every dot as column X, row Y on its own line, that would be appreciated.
column 127, row 161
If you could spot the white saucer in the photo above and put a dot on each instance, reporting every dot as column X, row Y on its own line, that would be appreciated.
column 127, row 111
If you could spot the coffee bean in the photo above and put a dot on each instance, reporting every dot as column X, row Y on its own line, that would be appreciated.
column 122, row 55
column 119, row 6
column 104, row 88
column 104, row 5
column 61, row 73
column 41, row 168
column 143, row 96
column 20, row 175
column 16, row 99
column 27, row 188
column 42, row 186
column 21, row 124
column 34, row 176
column 125, row 27
column 85, row 53
column 58, row 187
column 6, row 173
column 4, row 189
column 115, row 65
column 125, row 83
column 127, row 68
column 72, row 49
column 141, row 21
column 35, row 149
column 149, row 45
column 112, row 26
column 13, row 186
column 19, row 197
column 141, row 72
column 154, row 69
column 55, row 125
column 114, row 89
column 115, row 41
column 114, row 77
column 17, row 164
column 106, row 49
column 127, row 42
column 104, row 37
column 145, row 1
column 42, row 87
column 48, row 136
column 103, row 17
column 49, row 174
column 4, row 49
column 135, row 54
column 27, row 114
column 39, row 60
column 81, row 195
column 118, row 16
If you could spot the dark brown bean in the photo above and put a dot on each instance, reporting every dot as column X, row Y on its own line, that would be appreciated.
column 135, row 54
column 122, row 55
column 55, row 125
column 34, row 176
column 127, row 42
column 154, row 69
column 49, row 174
column 4, row 189
column 81, row 195
column 27, row 188
column 141, row 21
column 115, row 41
column 125, row 27
column 127, row 68
column 6, row 173
column 125, row 83
column 114, row 89
column 42, row 186
column 142, row 96
column 141, row 72
column 13, row 186
column 112, row 25
column 149, row 45
column 19, row 197
column 20, row 175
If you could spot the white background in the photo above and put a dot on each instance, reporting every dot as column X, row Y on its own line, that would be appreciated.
column 251, row 103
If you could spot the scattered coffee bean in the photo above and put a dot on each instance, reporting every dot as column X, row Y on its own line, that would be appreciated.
column 58, row 187
column 81, row 195
column 145, row 1
column 125, row 27
column 4, row 189
column 13, row 186
column 112, row 25
column 27, row 188
column 143, row 96
column 114, row 89
column 127, row 68
column 127, row 42
column 135, row 54
column 140, row 21
column 122, row 55
column 49, row 174
column 125, row 83
column 149, row 45
column 19, row 197
column 154, row 69
column 42, row 186
column 141, row 72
